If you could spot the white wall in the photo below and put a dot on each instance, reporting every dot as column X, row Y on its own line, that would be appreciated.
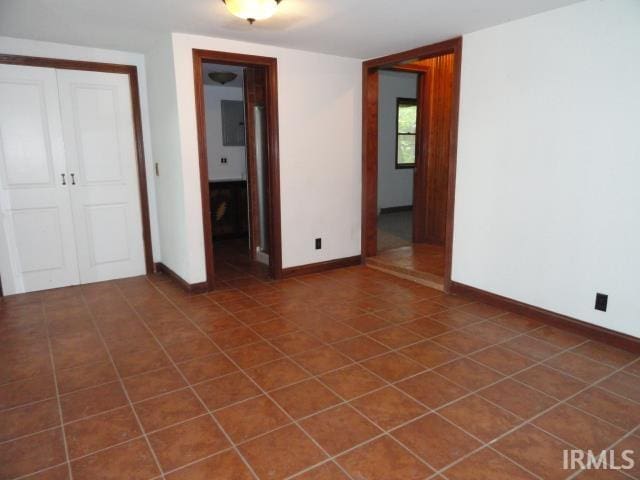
column 34, row 48
column 236, row 166
column 165, row 130
column 547, row 195
column 320, row 150
column 395, row 186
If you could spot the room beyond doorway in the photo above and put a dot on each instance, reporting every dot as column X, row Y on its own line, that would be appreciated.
column 410, row 110
column 394, row 230
column 397, row 136
column 239, row 161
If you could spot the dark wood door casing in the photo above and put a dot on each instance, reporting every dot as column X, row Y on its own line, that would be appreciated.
column 371, row 83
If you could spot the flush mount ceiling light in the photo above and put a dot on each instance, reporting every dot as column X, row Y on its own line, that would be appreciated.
column 222, row 77
column 252, row 10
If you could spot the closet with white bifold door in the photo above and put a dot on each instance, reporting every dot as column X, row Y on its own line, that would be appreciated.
column 69, row 194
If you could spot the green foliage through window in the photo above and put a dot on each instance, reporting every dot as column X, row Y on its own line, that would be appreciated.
column 407, row 117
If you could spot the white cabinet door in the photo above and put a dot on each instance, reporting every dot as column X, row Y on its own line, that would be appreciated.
column 98, row 132
column 38, row 245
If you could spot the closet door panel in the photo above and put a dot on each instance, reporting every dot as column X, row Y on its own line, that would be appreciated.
column 26, row 152
column 101, row 158
column 100, row 153
column 38, row 248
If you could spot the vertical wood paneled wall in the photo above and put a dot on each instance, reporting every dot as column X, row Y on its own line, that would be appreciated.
column 440, row 96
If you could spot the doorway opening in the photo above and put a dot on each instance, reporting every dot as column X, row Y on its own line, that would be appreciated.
column 236, row 106
column 397, row 135
column 410, row 112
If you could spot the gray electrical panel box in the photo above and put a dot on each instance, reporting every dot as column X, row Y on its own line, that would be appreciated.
column 233, row 127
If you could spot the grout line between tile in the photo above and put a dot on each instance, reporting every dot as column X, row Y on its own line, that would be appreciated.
column 265, row 393
column 530, row 420
column 55, row 383
column 386, row 383
column 193, row 390
column 122, row 386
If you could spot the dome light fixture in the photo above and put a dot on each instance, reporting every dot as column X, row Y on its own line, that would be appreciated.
column 223, row 77
column 252, row 10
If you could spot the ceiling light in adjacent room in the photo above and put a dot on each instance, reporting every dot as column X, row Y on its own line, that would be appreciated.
column 222, row 77
column 252, row 10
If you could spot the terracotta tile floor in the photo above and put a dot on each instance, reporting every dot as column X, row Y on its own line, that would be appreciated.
column 351, row 374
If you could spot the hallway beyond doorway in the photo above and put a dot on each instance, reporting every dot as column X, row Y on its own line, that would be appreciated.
column 232, row 262
column 394, row 230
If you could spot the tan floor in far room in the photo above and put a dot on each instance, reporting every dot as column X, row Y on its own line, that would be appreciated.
column 420, row 262
column 351, row 374
column 395, row 230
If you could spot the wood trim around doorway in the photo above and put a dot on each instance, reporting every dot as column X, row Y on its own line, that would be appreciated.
column 370, row 84
column 271, row 66
column 132, row 72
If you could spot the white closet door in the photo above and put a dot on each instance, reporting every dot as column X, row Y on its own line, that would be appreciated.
column 38, row 245
column 101, row 160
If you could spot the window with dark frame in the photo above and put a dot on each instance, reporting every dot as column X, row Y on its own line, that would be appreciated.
column 406, row 120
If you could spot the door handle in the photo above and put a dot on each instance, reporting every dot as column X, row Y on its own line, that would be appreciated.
column 73, row 179
column 64, row 180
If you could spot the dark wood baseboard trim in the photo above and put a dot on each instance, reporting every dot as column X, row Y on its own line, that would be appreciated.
column 589, row 330
column 321, row 266
column 189, row 287
column 402, row 208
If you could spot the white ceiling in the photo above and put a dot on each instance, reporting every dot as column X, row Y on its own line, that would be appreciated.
column 353, row 28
